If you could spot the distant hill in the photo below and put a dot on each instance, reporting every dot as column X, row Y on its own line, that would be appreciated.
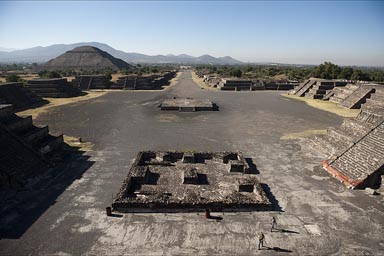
column 43, row 54
column 85, row 58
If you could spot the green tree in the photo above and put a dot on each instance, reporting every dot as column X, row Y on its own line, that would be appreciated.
column 345, row 73
column 13, row 78
column 236, row 72
column 49, row 74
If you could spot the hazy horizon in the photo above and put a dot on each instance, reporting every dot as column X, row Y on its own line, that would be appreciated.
column 345, row 33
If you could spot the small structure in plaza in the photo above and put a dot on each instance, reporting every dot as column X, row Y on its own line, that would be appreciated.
column 187, row 181
column 188, row 105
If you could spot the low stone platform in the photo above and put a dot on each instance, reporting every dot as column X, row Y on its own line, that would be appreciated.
column 175, row 181
column 188, row 105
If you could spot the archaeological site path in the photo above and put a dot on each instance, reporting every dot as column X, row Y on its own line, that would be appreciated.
column 315, row 213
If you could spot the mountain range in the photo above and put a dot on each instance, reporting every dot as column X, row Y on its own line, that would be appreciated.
column 43, row 54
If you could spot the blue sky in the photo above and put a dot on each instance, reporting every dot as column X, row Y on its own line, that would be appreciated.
column 344, row 32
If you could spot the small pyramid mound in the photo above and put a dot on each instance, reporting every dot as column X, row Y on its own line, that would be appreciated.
column 86, row 58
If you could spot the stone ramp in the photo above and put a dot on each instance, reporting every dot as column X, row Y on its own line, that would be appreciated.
column 361, row 165
column 298, row 87
column 358, row 97
column 305, row 88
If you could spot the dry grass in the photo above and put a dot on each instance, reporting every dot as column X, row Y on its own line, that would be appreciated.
column 55, row 102
column 296, row 135
column 200, row 83
column 77, row 143
column 116, row 76
column 69, row 78
column 280, row 77
column 326, row 106
column 28, row 77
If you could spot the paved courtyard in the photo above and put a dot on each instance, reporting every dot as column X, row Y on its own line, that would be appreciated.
column 315, row 214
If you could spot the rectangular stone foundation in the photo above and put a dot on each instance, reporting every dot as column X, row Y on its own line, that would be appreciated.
column 176, row 181
column 188, row 105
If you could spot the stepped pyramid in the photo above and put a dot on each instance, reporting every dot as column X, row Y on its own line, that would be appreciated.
column 26, row 150
column 86, row 58
column 354, row 151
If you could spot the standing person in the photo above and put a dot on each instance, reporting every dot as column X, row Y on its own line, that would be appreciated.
column 261, row 240
column 273, row 223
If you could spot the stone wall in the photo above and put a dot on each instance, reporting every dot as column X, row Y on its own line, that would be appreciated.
column 19, row 96
column 55, row 88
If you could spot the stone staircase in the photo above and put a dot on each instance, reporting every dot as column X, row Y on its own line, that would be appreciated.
column 89, row 82
column 338, row 139
column 358, row 97
column 19, row 96
column 37, row 138
column 53, row 88
column 319, row 90
column 376, row 100
column 362, row 163
column 304, row 88
column 340, row 93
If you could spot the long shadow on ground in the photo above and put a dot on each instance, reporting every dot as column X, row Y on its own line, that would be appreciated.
column 22, row 208
column 272, row 198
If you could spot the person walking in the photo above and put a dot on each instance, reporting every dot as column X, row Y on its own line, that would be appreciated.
column 261, row 240
column 273, row 223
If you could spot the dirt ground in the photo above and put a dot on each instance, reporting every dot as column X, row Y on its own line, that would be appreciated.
column 326, row 106
column 55, row 102
column 316, row 215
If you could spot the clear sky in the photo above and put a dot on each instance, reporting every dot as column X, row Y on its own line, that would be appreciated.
column 344, row 32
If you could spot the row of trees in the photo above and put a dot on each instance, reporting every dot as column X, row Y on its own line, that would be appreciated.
column 327, row 70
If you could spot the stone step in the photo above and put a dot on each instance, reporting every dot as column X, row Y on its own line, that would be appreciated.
column 50, row 144
column 355, row 128
column 314, row 96
column 370, row 115
column 34, row 134
column 336, row 99
column 305, row 88
column 339, row 135
column 6, row 110
column 357, row 98
column 328, row 94
column 363, row 158
column 18, row 124
column 323, row 86
column 317, row 91
column 374, row 102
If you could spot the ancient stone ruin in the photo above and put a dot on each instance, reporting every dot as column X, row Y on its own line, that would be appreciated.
column 54, row 88
column 355, row 151
column 188, row 105
column 235, row 84
column 86, row 58
column 316, row 88
column 19, row 96
column 143, row 82
column 189, row 181
column 91, row 82
column 26, row 150
column 240, row 84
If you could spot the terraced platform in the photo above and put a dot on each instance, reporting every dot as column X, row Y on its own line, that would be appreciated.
column 188, row 105
column 26, row 149
column 190, row 181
